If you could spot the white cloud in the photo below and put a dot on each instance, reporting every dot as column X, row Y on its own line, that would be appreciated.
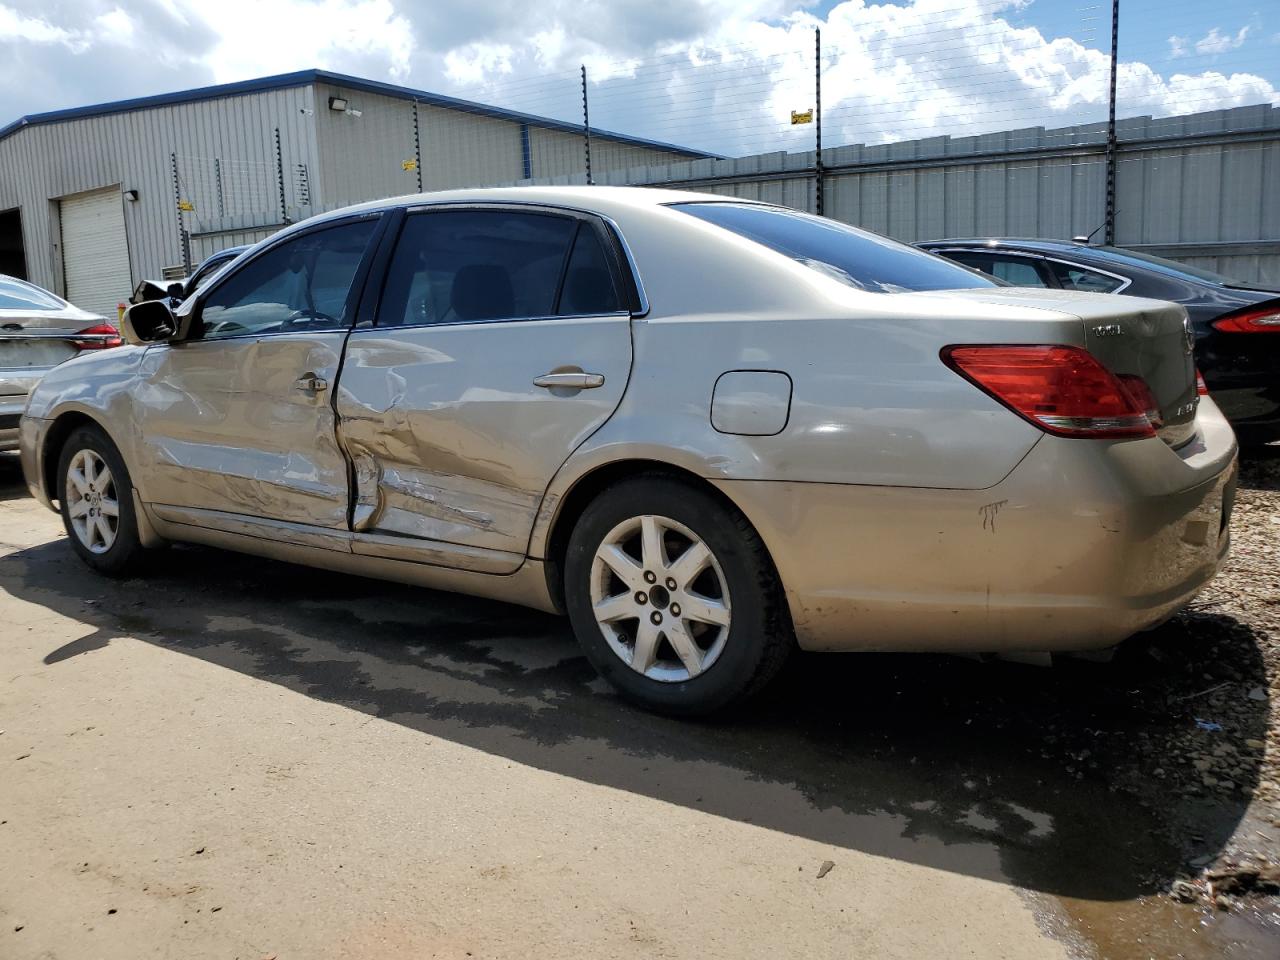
column 1215, row 41
column 719, row 74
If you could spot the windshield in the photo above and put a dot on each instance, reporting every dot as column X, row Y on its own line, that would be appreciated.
column 17, row 295
column 1160, row 264
column 856, row 257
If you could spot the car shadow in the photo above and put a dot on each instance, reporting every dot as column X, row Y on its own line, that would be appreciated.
column 12, row 486
column 1041, row 777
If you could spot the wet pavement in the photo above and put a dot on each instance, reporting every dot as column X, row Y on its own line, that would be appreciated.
column 1053, row 769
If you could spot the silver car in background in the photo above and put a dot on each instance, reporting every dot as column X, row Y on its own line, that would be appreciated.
column 38, row 331
column 709, row 430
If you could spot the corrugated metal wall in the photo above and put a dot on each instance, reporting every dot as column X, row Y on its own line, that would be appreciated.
column 43, row 162
column 362, row 157
column 1203, row 188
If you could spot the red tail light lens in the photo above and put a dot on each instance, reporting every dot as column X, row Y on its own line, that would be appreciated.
column 98, row 337
column 1062, row 390
column 1264, row 319
column 1202, row 389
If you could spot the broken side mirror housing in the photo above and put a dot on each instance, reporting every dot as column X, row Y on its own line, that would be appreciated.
column 149, row 322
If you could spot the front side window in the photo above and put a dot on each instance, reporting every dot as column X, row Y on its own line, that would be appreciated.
column 1019, row 272
column 866, row 261
column 1072, row 277
column 302, row 284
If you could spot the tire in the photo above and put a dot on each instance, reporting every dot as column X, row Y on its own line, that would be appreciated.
column 734, row 614
column 119, row 553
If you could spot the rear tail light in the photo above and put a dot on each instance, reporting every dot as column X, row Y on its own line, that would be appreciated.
column 1264, row 319
column 1062, row 390
column 1202, row 389
column 98, row 337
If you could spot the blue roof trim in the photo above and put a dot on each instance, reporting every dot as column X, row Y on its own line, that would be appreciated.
column 302, row 78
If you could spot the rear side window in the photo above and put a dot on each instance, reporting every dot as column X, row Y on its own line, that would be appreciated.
column 17, row 295
column 1078, row 278
column 588, row 283
column 866, row 261
column 460, row 266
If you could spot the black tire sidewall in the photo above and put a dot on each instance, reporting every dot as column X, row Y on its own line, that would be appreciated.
column 746, row 572
column 123, row 554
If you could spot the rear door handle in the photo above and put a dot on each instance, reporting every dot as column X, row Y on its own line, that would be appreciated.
column 570, row 381
column 312, row 383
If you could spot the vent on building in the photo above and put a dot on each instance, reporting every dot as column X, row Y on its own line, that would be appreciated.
column 174, row 273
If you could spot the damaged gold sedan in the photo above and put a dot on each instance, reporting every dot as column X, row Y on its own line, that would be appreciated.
column 709, row 430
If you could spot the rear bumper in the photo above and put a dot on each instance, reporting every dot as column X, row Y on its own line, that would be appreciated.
column 1084, row 544
column 11, row 408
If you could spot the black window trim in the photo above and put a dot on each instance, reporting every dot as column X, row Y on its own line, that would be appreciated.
column 354, row 294
column 626, row 278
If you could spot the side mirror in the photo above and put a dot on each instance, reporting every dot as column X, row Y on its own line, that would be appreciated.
column 149, row 322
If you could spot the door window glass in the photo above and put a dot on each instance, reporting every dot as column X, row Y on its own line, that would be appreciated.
column 458, row 266
column 1020, row 273
column 303, row 284
column 1078, row 278
column 588, row 283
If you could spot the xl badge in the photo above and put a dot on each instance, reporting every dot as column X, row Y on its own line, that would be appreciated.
column 1108, row 330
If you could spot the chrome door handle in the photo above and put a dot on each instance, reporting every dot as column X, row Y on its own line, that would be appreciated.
column 570, row 381
column 312, row 383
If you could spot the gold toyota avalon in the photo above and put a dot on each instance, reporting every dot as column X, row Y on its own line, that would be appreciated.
column 709, row 430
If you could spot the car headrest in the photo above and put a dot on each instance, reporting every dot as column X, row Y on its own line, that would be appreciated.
column 482, row 291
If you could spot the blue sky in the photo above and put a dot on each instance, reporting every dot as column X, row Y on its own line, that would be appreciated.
column 723, row 75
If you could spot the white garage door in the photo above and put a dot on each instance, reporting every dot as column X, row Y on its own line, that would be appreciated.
column 95, row 254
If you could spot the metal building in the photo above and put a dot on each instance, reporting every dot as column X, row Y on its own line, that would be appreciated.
column 95, row 199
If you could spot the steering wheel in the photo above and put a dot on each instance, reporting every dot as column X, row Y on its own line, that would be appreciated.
column 310, row 316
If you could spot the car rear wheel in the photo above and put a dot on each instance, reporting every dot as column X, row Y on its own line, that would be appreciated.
column 96, row 499
column 673, row 597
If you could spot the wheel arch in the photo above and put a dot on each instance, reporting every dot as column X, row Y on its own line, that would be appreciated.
column 585, row 488
column 64, row 424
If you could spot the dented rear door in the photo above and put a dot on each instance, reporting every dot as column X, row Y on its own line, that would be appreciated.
column 501, row 343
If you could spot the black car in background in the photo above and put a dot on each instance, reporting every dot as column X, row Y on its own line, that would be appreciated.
column 1236, row 324
column 179, row 290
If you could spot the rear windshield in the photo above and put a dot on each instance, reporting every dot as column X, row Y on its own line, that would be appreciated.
column 863, row 260
column 1161, row 265
column 16, row 295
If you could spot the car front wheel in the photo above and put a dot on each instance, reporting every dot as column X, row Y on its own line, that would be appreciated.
column 673, row 597
column 96, row 499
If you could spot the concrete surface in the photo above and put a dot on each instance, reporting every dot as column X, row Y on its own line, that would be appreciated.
column 236, row 758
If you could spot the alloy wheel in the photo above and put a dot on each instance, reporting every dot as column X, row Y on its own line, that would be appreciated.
column 91, row 501
column 660, row 598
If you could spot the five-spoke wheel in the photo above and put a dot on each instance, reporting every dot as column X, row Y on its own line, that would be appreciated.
column 96, row 498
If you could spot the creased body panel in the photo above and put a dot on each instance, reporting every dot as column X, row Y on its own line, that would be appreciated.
column 224, row 425
column 1082, row 545
column 451, row 439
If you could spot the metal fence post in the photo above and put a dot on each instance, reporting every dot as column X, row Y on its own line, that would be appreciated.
column 817, row 84
column 1109, row 233
column 284, row 212
column 586, row 126
column 417, row 145
column 184, row 238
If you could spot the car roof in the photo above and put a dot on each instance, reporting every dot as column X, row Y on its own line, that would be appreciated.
column 596, row 199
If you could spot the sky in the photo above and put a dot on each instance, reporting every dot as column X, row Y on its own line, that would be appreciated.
column 720, row 75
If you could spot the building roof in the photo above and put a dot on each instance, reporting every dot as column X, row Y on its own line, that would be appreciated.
column 302, row 78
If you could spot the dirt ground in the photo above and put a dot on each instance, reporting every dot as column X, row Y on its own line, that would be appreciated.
column 235, row 758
